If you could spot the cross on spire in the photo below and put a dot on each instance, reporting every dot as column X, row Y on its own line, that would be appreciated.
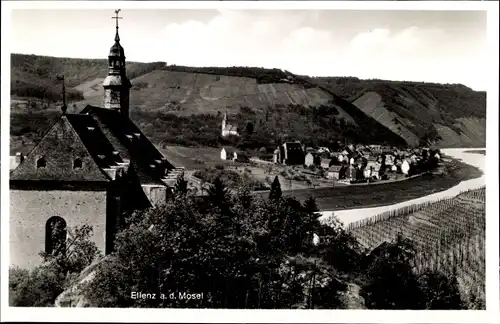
column 117, row 38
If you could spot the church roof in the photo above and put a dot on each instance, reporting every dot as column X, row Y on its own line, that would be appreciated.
column 101, row 138
column 130, row 143
column 58, row 149
column 117, row 50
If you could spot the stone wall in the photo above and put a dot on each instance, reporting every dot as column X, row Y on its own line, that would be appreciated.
column 30, row 210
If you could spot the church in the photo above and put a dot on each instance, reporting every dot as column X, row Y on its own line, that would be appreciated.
column 90, row 168
column 228, row 129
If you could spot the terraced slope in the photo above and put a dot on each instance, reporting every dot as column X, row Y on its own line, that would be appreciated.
column 187, row 93
column 394, row 112
column 449, row 236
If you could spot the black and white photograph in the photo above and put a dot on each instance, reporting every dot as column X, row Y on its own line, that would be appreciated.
column 250, row 156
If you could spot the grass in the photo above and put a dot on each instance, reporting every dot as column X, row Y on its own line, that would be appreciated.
column 349, row 197
column 192, row 158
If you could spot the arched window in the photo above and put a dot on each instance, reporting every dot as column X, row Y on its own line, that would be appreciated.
column 55, row 236
column 41, row 163
column 77, row 163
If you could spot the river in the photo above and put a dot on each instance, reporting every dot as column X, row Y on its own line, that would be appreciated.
column 474, row 159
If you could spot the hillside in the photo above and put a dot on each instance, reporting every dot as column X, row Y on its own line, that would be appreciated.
column 449, row 115
column 35, row 77
column 182, row 105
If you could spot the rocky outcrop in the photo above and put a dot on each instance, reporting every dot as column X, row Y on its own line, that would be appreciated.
column 73, row 296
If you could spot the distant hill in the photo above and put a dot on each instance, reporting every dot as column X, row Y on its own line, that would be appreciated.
column 451, row 115
column 278, row 104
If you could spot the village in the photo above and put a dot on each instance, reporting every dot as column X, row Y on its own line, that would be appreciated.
column 300, row 167
column 351, row 164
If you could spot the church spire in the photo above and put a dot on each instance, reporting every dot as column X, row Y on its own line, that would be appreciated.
column 117, row 36
column 116, row 85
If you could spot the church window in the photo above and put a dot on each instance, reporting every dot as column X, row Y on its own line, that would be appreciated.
column 41, row 163
column 77, row 163
column 55, row 236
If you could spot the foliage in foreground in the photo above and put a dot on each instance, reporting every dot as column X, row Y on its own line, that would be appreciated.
column 41, row 285
column 239, row 252
column 232, row 250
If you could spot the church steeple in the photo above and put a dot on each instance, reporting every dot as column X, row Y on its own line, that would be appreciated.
column 116, row 85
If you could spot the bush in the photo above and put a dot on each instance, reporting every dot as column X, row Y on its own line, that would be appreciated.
column 36, row 288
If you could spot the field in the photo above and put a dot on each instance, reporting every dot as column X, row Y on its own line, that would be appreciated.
column 348, row 197
column 449, row 235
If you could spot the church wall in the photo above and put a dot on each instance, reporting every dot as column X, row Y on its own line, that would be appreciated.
column 30, row 210
column 157, row 195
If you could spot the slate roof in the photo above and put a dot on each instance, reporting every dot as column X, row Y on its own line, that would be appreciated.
column 325, row 162
column 60, row 146
column 101, row 138
column 335, row 168
column 130, row 143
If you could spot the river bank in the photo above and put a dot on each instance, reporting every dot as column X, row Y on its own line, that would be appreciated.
column 442, row 189
column 384, row 194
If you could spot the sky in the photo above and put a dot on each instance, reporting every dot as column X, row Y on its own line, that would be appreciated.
column 431, row 46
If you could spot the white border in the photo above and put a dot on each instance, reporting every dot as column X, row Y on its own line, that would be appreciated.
column 491, row 315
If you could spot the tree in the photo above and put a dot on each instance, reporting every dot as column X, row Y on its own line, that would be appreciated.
column 311, row 208
column 275, row 192
column 43, row 284
column 182, row 246
column 249, row 128
column 181, row 186
column 440, row 291
column 392, row 283
column 36, row 288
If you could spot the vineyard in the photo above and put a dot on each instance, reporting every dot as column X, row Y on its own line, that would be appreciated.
column 449, row 236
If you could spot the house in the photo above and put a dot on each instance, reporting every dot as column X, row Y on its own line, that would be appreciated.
column 16, row 160
column 239, row 156
column 336, row 172
column 394, row 168
column 291, row 153
column 326, row 163
column 377, row 172
column 389, row 159
column 437, row 156
column 312, row 159
column 228, row 129
column 91, row 168
column 405, row 167
column 371, row 162
column 352, row 173
column 226, row 153
column 276, row 155
column 367, row 172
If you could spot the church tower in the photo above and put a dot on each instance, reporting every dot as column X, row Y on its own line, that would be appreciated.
column 224, row 122
column 117, row 85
